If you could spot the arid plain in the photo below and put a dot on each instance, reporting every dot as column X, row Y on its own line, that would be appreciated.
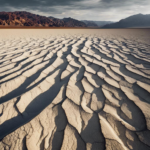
column 75, row 89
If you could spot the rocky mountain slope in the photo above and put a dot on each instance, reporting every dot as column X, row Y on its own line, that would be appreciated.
column 28, row 19
column 138, row 20
column 70, row 22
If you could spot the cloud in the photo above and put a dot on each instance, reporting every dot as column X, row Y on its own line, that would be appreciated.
column 112, row 10
column 36, row 3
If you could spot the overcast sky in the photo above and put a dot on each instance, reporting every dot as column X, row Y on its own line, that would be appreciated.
column 100, row 10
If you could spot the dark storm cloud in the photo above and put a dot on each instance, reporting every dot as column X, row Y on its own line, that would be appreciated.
column 43, row 4
column 30, row 3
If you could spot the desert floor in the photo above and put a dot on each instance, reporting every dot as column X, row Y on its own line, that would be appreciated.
column 74, row 89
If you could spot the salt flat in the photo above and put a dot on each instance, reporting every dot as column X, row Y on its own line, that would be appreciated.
column 74, row 89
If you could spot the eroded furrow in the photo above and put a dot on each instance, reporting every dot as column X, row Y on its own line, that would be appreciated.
column 74, row 92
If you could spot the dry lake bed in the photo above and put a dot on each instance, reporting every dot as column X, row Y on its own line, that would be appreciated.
column 74, row 89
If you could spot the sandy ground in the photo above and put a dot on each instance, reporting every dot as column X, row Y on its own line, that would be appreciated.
column 81, row 89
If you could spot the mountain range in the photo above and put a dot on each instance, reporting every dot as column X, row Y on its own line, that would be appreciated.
column 135, row 21
column 23, row 19
column 96, row 23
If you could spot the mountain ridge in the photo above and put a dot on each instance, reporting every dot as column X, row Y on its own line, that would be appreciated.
column 138, row 20
column 96, row 23
column 23, row 19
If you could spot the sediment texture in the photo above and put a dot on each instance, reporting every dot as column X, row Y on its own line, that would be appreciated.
column 74, row 90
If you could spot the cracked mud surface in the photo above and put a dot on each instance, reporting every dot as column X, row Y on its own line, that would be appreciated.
column 74, row 89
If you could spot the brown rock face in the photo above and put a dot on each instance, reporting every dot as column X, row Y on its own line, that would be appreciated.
column 28, row 19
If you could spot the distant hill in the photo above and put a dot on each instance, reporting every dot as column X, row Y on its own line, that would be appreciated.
column 70, row 22
column 96, row 23
column 135, row 21
column 90, row 23
column 22, row 18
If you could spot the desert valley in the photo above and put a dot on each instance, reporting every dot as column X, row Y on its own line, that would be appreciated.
column 73, row 89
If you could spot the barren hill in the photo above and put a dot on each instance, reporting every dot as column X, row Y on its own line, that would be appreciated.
column 22, row 18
